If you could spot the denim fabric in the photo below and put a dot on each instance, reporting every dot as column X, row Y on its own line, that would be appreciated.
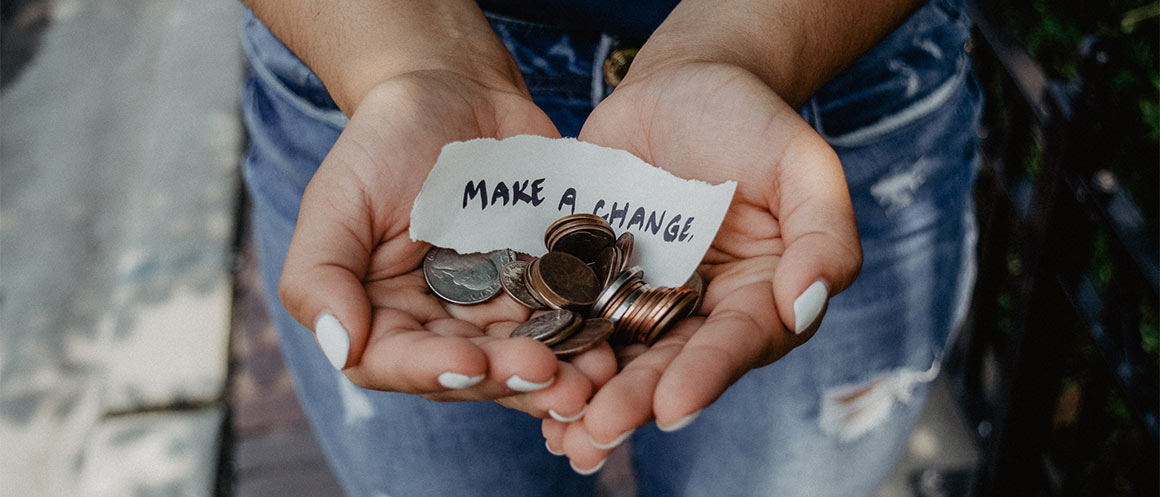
column 902, row 119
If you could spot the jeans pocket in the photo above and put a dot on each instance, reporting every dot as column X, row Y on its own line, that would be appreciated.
column 285, row 75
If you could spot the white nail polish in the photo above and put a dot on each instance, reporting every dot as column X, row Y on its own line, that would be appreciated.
column 564, row 419
column 521, row 385
column 333, row 339
column 550, row 451
column 681, row 423
column 613, row 444
column 809, row 305
column 456, row 381
column 588, row 471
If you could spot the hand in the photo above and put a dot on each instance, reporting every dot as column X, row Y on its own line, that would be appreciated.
column 790, row 225
column 351, row 271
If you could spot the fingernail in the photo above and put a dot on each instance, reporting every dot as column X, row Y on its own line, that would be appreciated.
column 808, row 307
column 333, row 339
column 588, row 471
column 613, row 444
column 456, row 381
column 521, row 385
column 681, row 423
column 550, row 451
column 565, row 419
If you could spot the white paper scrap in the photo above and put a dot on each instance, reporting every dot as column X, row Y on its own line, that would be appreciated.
column 489, row 194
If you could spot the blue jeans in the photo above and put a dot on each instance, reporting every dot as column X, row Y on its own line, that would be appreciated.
column 830, row 418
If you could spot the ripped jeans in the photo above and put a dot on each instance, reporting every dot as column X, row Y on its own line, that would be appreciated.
column 829, row 419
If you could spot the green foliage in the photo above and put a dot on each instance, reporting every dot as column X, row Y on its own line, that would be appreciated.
column 1127, row 89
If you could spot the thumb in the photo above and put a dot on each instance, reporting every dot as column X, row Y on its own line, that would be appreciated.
column 321, row 284
column 822, row 254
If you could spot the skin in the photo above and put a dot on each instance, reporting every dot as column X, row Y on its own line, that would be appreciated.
column 710, row 96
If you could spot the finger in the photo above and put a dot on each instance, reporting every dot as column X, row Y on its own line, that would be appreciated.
column 321, row 284
column 599, row 364
column 405, row 355
column 553, row 432
column 586, row 459
column 626, row 401
column 565, row 400
column 822, row 252
column 741, row 333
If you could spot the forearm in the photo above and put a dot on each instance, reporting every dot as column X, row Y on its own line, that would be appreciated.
column 352, row 45
column 795, row 46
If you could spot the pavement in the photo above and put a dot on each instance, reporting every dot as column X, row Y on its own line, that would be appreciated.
column 119, row 146
column 135, row 356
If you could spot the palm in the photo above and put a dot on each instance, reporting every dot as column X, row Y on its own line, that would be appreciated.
column 715, row 123
column 353, row 238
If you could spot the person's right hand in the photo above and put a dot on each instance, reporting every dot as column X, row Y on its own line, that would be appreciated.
column 354, row 276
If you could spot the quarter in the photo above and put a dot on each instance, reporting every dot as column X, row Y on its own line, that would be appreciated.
column 461, row 278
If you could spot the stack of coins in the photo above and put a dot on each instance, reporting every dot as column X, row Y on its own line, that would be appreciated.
column 584, row 273
column 643, row 313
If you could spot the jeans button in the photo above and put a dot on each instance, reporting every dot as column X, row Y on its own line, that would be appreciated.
column 616, row 65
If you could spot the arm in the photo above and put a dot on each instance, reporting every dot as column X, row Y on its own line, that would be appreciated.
column 412, row 76
column 712, row 96
column 793, row 46
column 352, row 46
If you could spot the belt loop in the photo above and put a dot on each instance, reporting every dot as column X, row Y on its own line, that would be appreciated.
column 602, row 50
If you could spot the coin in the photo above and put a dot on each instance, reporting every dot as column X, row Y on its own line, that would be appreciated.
column 501, row 257
column 697, row 284
column 564, row 281
column 620, row 306
column 461, row 278
column 625, row 243
column 610, row 290
column 608, row 265
column 680, row 310
column 592, row 332
column 511, row 276
column 565, row 332
column 582, row 235
column 546, row 325
column 572, row 220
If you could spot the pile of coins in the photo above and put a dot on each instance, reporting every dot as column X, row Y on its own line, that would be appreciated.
column 585, row 280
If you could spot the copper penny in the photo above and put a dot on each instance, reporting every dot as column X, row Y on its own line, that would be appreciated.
column 567, row 281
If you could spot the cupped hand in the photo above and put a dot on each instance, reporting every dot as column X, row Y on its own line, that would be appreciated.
column 353, row 275
column 787, row 244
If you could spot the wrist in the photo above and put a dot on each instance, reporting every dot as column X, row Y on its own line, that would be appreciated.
column 354, row 46
column 793, row 46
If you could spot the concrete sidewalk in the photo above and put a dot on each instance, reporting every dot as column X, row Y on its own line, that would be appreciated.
column 119, row 148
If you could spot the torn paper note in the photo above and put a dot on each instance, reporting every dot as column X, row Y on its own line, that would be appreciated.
column 489, row 194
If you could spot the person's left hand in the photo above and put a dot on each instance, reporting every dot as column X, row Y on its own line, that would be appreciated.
column 790, row 226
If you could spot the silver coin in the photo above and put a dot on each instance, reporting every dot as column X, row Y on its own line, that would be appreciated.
column 511, row 276
column 605, row 297
column 461, row 278
column 546, row 326
column 502, row 257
